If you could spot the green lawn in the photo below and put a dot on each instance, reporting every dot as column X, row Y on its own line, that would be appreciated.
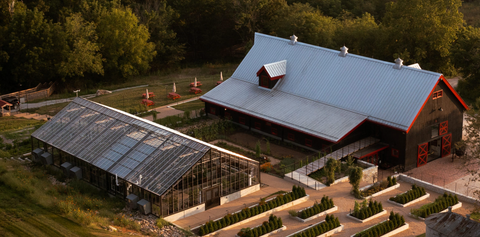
column 12, row 123
column 193, row 105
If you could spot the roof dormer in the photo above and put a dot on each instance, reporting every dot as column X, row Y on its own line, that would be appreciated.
column 270, row 74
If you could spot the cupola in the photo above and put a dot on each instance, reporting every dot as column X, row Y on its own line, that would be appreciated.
column 270, row 74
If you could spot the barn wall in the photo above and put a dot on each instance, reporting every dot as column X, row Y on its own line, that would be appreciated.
column 430, row 115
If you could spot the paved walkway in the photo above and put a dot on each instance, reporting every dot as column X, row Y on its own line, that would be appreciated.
column 341, row 197
column 168, row 110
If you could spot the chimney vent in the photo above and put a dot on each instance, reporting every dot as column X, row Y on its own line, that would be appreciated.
column 450, row 209
column 398, row 63
column 343, row 51
column 293, row 39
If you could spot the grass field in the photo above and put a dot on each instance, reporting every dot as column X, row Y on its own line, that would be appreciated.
column 49, row 109
column 193, row 105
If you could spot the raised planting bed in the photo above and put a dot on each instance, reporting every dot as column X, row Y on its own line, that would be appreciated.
column 414, row 195
column 394, row 225
column 328, row 227
column 340, row 175
column 262, row 209
column 272, row 226
column 325, row 206
column 441, row 204
column 379, row 188
column 365, row 212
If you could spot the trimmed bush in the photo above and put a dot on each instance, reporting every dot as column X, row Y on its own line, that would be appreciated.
column 410, row 195
column 440, row 204
column 330, row 223
column 394, row 221
column 324, row 205
column 367, row 210
column 212, row 226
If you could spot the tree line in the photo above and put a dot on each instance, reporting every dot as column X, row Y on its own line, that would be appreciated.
column 100, row 41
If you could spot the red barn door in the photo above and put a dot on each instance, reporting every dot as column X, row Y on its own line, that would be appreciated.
column 422, row 154
column 446, row 145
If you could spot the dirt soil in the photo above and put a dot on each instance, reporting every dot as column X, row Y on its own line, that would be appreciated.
column 250, row 141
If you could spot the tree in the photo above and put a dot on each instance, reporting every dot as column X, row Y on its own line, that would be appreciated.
column 330, row 168
column 83, row 56
column 355, row 176
column 124, row 43
column 359, row 35
column 466, row 57
column 158, row 17
column 422, row 32
column 472, row 141
column 307, row 23
column 258, row 150
column 36, row 47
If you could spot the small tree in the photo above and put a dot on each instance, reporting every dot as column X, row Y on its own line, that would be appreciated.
column 330, row 169
column 258, row 150
column 355, row 176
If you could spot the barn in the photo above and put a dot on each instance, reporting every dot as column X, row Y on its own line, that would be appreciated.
column 324, row 100
column 156, row 169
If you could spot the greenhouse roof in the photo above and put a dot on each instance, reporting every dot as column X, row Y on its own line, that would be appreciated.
column 123, row 144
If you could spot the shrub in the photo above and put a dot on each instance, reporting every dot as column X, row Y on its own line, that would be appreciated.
column 410, row 195
column 229, row 219
column 440, row 204
column 161, row 223
column 324, row 205
column 355, row 176
column 367, row 211
column 394, row 221
column 330, row 223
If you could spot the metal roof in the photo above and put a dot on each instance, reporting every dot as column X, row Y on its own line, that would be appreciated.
column 299, row 113
column 123, row 144
column 353, row 83
column 276, row 69
column 452, row 224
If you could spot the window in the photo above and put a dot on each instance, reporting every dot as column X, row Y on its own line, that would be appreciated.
column 274, row 131
column 241, row 120
column 264, row 81
column 308, row 142
column 395, row 153
column 443, row 128
column 437, row 94
column 434, row 130
column 257, row 125
column 212, row 110
column 291, row 136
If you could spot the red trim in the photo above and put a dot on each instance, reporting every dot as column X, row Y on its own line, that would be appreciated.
column 443, row 129
column 271, row 78
column 388, row 126
column 422, row 155
column 353, row 129
column 276, row 78
column 454, row 92
column 260, row 71
column 373, row 152
column 280, row 125
column 446, row 145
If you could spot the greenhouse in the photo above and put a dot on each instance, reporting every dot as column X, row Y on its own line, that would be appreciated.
column 158, row 169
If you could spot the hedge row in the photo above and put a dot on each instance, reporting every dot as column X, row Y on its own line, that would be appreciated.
column 391, row 181
column 263, row 206
column 325, row 204
column 410, row 195
column 367, row 210
column 440, row 204
column 272, row 224
column 330, row 223
column 394, row 221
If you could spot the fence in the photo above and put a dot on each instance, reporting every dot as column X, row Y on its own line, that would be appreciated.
column 33, row 93
column 459, row 187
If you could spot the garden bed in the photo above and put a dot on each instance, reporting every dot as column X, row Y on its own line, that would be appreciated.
column 379, row 188
column 325, row 206
column 341, row 175
column 394, row 225
column 328, row 227
column 366, row 212
column 414, row 195
column 257, row 211
column 272, row 226
column 440, row 205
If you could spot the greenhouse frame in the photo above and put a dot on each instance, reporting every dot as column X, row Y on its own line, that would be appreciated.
column 139, row 160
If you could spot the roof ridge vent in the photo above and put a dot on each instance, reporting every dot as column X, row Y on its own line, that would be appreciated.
column 293, row 39
column 343, row 51
column 398, row 63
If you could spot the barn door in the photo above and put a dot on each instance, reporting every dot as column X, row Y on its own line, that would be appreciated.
column 422, row 154
column 446, row 145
